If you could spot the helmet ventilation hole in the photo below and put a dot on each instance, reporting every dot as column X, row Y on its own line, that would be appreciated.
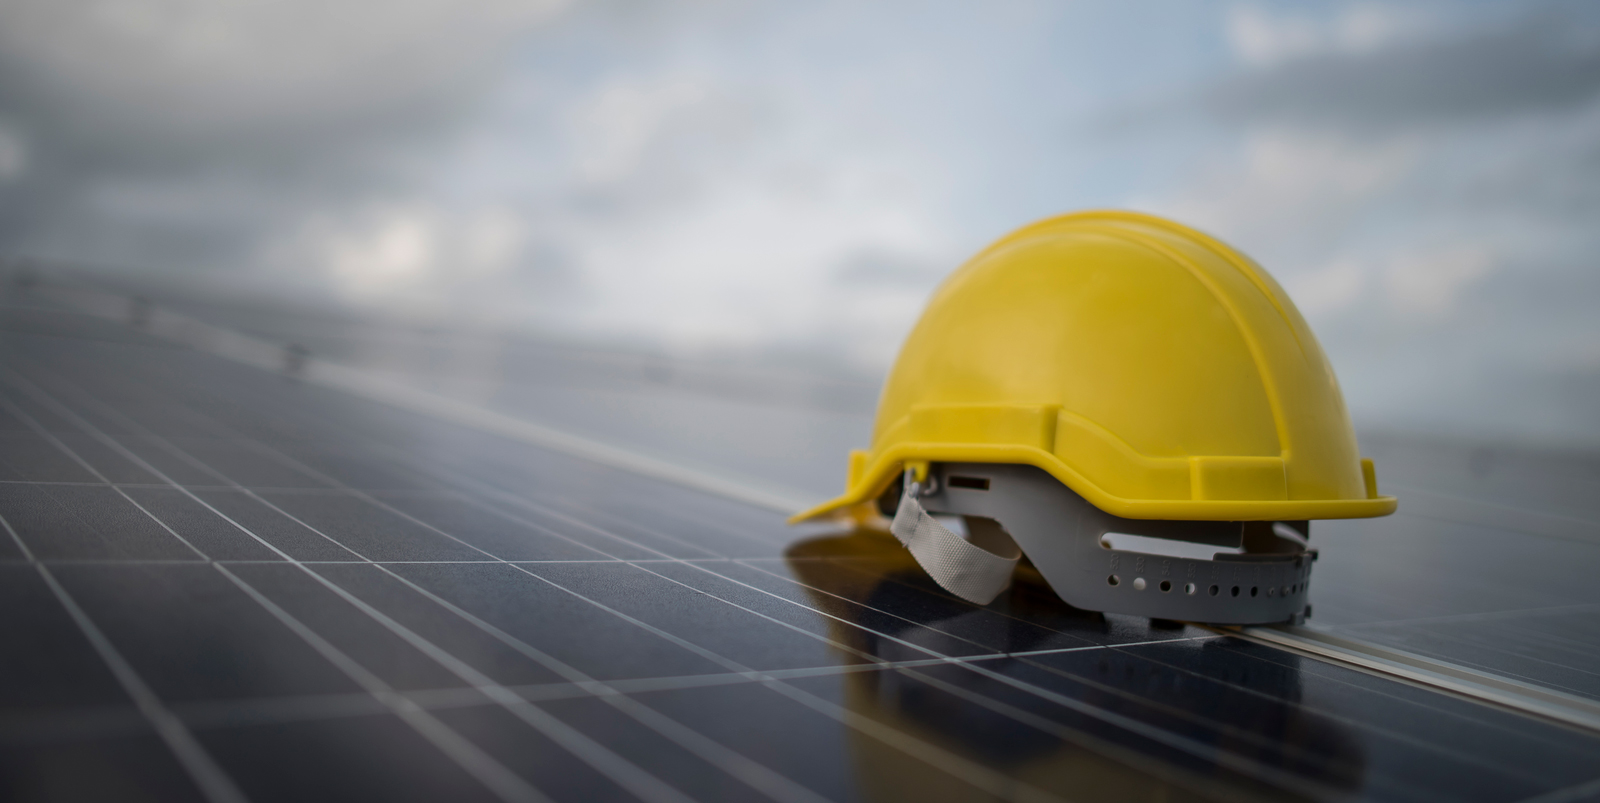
column 1189, row 589
column 1113, row 580
column 1214, row 590
column 1138, row 584
column 1166, row 585
column 1236, row 591
column 1254, row 590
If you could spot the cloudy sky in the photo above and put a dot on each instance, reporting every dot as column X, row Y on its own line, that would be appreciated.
column 1423, row 177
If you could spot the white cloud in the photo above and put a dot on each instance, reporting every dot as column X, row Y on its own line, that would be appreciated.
column 612, row 129
column 1327, row 290
column 412, row 256
column 1421, row 287
column 1282, row 181
column 388, row 257
column 492, row 240
column 1429, row 283
column 1262, row 38
column 203, row 67
column 744, row 266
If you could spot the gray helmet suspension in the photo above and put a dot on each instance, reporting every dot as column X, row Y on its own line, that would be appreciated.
column 1062, row 534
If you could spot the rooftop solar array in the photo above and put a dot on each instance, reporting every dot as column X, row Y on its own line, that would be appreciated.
column 226, row 584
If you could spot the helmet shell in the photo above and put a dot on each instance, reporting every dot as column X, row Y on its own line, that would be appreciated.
column 1154, row 370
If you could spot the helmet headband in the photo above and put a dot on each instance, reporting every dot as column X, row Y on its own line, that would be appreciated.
column 1061, row 534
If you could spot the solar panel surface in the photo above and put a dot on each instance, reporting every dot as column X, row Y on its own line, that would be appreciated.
column 227, row 584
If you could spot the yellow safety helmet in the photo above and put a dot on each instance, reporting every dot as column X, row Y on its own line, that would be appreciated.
column 1153, row 371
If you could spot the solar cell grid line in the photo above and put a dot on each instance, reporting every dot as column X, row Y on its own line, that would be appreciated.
column 624, row 773
column 289, row 460
column 692, row 738
column 1439, row 744
column 791, row 580
column 884, row 612
column 580, row 523
column 1143, row 701
column 1517, row 518
column 273, row 452
column 1558, row 641
column 626, row 508
column 754, row 566
column 23, row 416
column 977, row 774
column 1283, row 779
column 27, row 554
column 1496, row 643
column 1024, row 655
column 212, row 781
column 774, row 784
column 505, row 784
column 1245, row 734
column 339, row 486
column 847, row 566
column 1146, row 730
column 779, row 787
column 234, row 713
column 1496, row 569
column 932, row 590
column 601, row 512
column 521, row 501
column 539, row 508
column 545, row 510
column 652, row 546
column 755, row 563
column 1476, row 585
column 95, row 432
column 1428, row 746
column 488, row 685
column 1199, row 749
column 1527, row 618
column 374, row 446
column 1188, row 745
column 336, row 486
column 688, row 514
column 487, row 771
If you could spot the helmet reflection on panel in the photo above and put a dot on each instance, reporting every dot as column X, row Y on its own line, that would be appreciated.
column 884, row 608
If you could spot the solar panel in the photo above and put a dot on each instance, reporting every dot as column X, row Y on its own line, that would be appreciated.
column 225, row 584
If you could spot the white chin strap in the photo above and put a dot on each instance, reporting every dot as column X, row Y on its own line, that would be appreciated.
column 956, row 564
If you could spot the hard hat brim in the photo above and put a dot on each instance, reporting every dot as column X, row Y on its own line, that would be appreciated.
column 888, row 467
